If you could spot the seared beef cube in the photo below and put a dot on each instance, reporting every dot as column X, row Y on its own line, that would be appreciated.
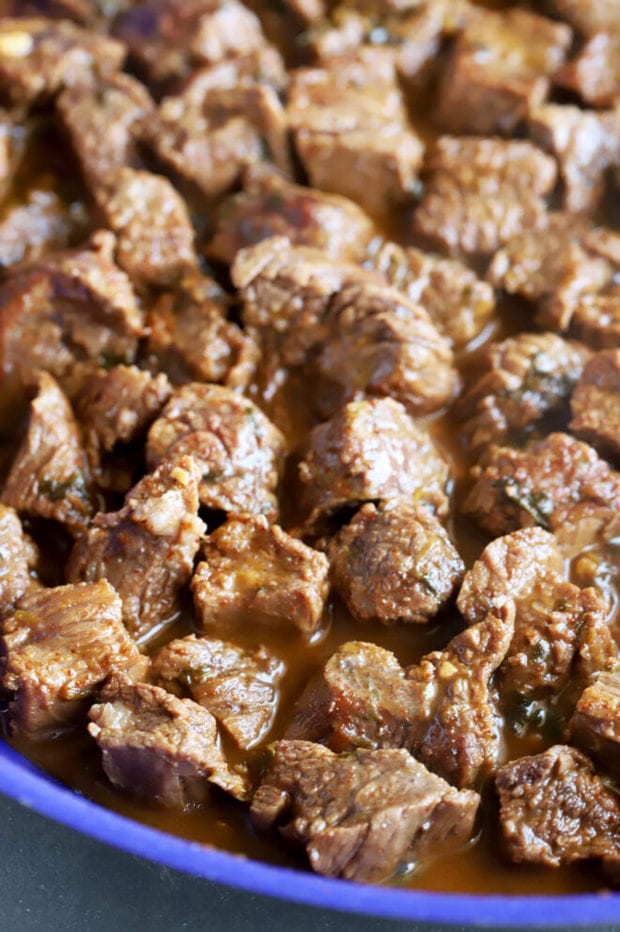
column 60, row 645
column 481, row 193
column 520, row 381
column 68, row 314
column 560, row 630
column 554, row 809
column 394, row 562
column 370, row 450
column 239, row 687
column 269, row 205
column 254, row 571
column 170, row 38
column 457, row 301
column 40, row 56
column 587, row 16
column 594, row 73
column 147, row 549
column 41, row 223
column 104, row 119
column 499, row 69
column 159, row 747
column 191, row 339
column 238, row 450
column 50, row 476
column 585, row 143
column 596, row 318
column 359, row 816
column 595, row 404
column 18, row 560
column 558, row 483
column 595, row 725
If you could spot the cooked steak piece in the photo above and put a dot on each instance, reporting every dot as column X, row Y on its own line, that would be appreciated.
column 238, row 686
column 457, row 301
column 42, row 222
column 60, row 645
column 359, row 816
column 256, row 571
column 170, row 38
column 147, row 549
column 50, row 475
column 38, row 57
column 518, row 382
column 270, row 205
column 595, row 404
column 595, row 725
column 481, row 193
column 68, row 314
column 594, row 73
column 159, row 747
column 587, row 16
column 18, row 560
column 191, row 339
column 596, row 318
column 394, row 562
column 558, row 483
column 370, row 450
column 500, row 67
column 554, row 809
column 239, row 451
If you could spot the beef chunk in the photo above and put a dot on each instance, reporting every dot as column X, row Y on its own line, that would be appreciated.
column 554, row 809
column 170, row 38
column 237, row 448
column 394, row 562
column 457, row 301
column 255, row 570
column 147, row 549
column 60, row 645
column 239, row 687
column 40, row 56
column 481, row 193
column 269, row 205
column 50, row 477
column 18, row 560
column 595, row 404
column 499, row 69
column 191, row 339
column 596, row 318
column 587, row 16
column 14, row 136
column 596, row 719
column 41, row 223
column 68, row 314
column 159, row 747
column 558, row 483
column 519, row 381
column 585, row 143
column 359, row 816
column 370, row 450
column 594, row 73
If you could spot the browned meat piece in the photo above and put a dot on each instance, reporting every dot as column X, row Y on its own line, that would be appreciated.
column 269, row 205
column 14, row 137
column 481, row 193
column 254, row 570
column 595, row 725
column 519, row 381
column 60, row 645
column 50, row 476
column 18, row 560
column 554, row 809
column 159, row 747
column 191, row 339
column 239, row 451
column 595, row 72
column 104, row 119
column 595, row 404
column 41, row 223
column 500, row 68
column 38, row 57
column 359, row 816
column 116, row 406
column 558, row 483
column 351, row 131
column 586, row 145
column 370, row 450
column 457, row 301
column 147, row 549
column 171, row 38
column 239, row 687
column 394, row 562
column 596, row 319
column 587, row 16
column 68, row 314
